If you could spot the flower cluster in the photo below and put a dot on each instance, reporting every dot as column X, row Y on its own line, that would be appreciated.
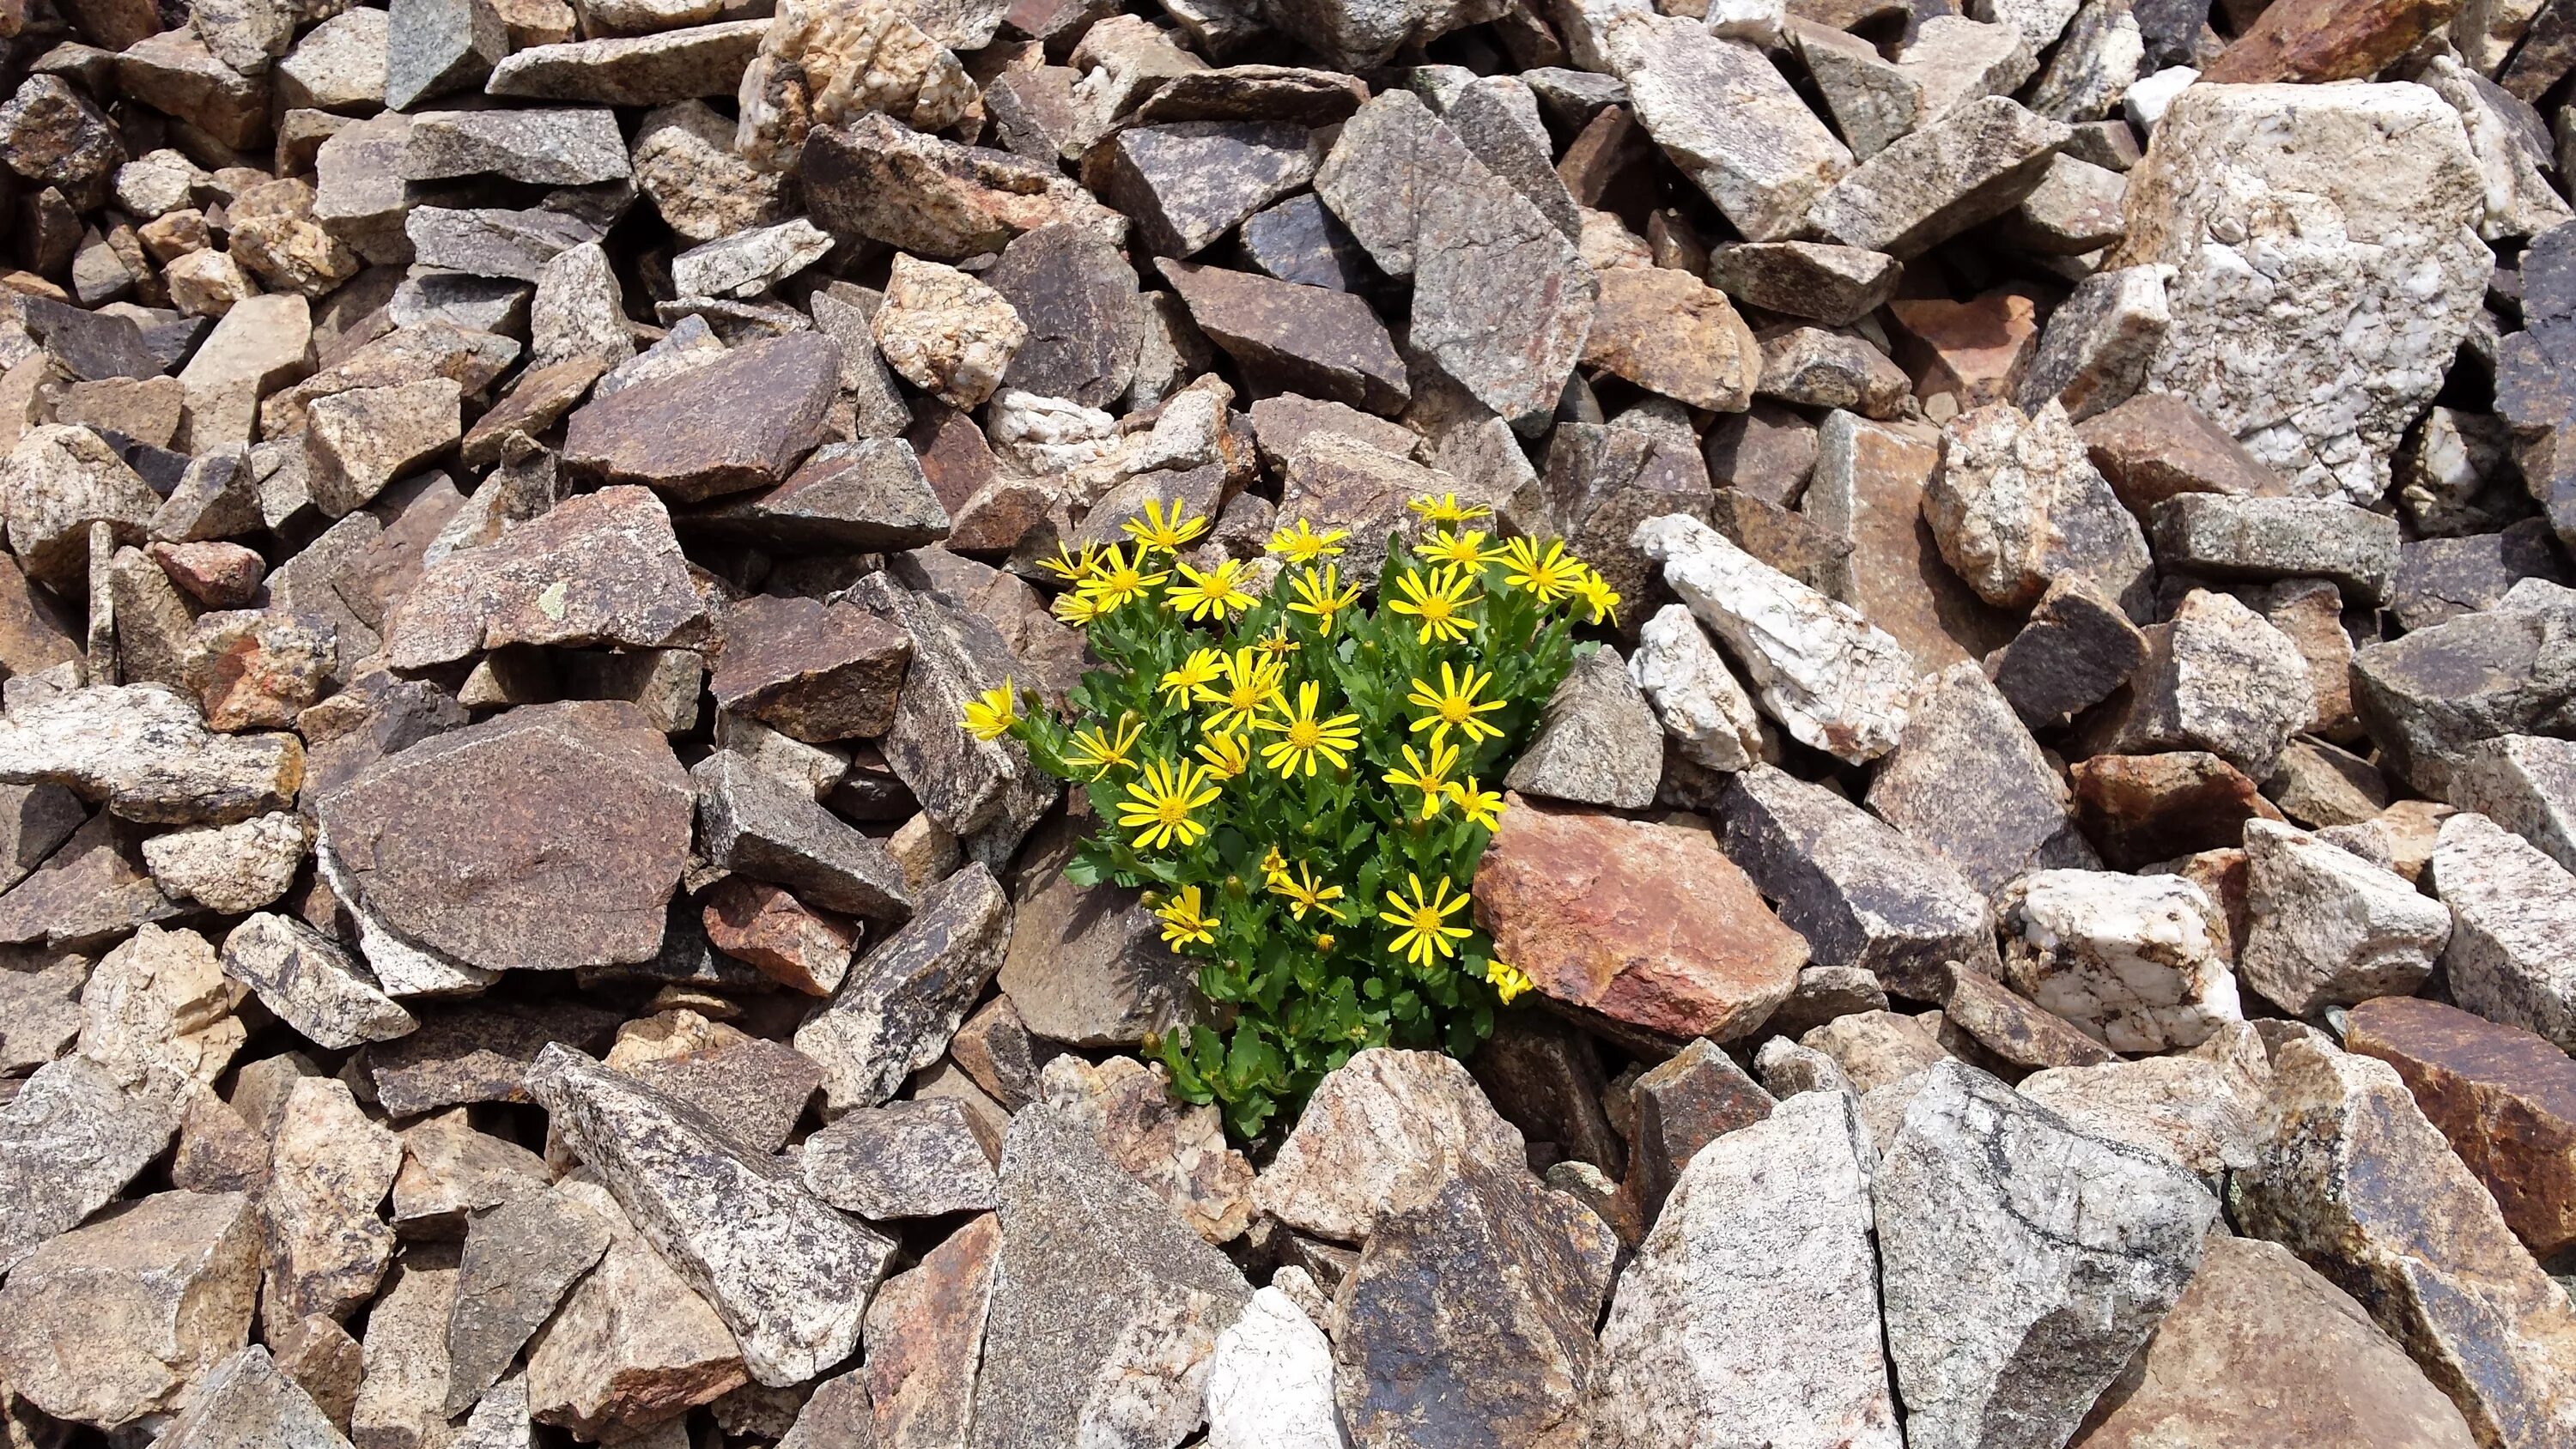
column 1299, row 781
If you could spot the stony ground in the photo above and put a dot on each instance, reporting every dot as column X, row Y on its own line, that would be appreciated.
column 2050, row 914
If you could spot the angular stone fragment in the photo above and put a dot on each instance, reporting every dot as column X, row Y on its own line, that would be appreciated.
column 2354, row 1179
column 2156, row 446
column 245, row 1400
column 2087, row 1242
column 1302, row 339
column 1680, row 1107
column 1648, row 927
column 1967, row 780
column 684, row 163
column 450, row 1171
column 1087, row 966
column 147, row 751
column 767, row 927
column 2523, row 783
column 902, row 1001
column 632, row 1345
column 2130, row 960
column 789, row 1275
column 1972, row 166
column 1379, row 1135
column 2017, row 504
column 1597, row 744
column 1176, row 1150
column 1105, row 1308
column 1702, row 707
column 1834, row 285
column 60, row 481
column 2275, row 538
column 2331, row 929
column 400, row 1397
column 71, row 1139
column 1860, row 892
column 477, row 1053
column 599, row 570
column 640, row 70
column 311, row 983
column 901, row 1160
column 2428, row 697
column 1185, row 184
column 925, row 1333
column 2012, row 1028
column 2217, row 677
column 1671, row 334
column 739, row 422
column 1270, row 1379
column 327, row 1245
column 875, row 178
column 363, row 439
column 543, row 147
column 986, row 793
column 751, row 824
column 1729, row 120
column 2510, row 905
column 2076, row 649
column 1702, row 1339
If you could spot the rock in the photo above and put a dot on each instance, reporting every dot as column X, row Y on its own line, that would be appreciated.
column 1545, row 1078
column 1812, row 367
column 2018, row 505
column 1859, row 891
column 1176, row 1150
column 1874, row 1049
column 43, row 1011
column 405, row 1355
column 1681, row 1106
column 599, row 570
column 946, row 332
column 2261, row 1346
column 1105, row 1309
column 1270, row 1380
column 632, row 1345
column 1975, row 352
column 817, row 672
column 1493, row 1268
column 1758, row 152
column 363, row 439
column 2015, row 1030
column 1834, row 285
column 1967, row 780
column 2330, row 430
column 824, row 65
column 1701, row 1340
column 569, row 147
column 2145, row 808
column 1972, row 166
column 2273, row 538
column 1671, row 334
column 1830, row 678
column 767, row 927
column 2428, row 697
column 1380, row 1135
column 159, row 1293
column 684, row 162
column 740, row 422
column 578, row 311
column 640, row 70
column 58, row 482
column 450, row 1171
column 71, row 1139
column 1867, row 491
column 2064, row 1219
column 1185, row 184
column 160, row 1000
column 2508, row 904
column 477, row 1053
column 2331, row 929
column 2129, row 960
column 2519, row 782
column 925, row 1331
column 756, row 826
column 437, row 47
column 2204, row 1114
column 901, row 1160
column 1696, row 697
column 328, row 1175
column 1597, row 743
column 903, row 1000
column 2311, row 42
column 2217, row 677
column 547, row 873
column 749, row 263
column 2343, row 1135
column 245, row 1400
column 1087, row 966
column 876, row 179
column 1301, row 339
column 310, row 982
column 789, row 1275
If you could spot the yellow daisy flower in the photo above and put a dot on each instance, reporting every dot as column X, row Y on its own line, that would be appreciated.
column 1322, row 595
column 1461, row 548
column 1431, row 777
column 1545, row 574
column 992, row 716
column 1447, row 509
column 1273, row 864
column 1599, row 597
column 1441, row 605
column 1095, row 750
column 1426, row 930
column 1485, row 807
column 1508, row 980
column 1276, row 644
column 1183, row 923
column 1204, row 666
column 1072, row 568
column 1163, row 531
column 1302, row 736
column 1454, row 705
column 1159, row 803
column 1299, row 543
column 1252, row 684
column 1076, row 607
column 1214, row 592
column 1227, row 753
column 1119, row 580
column 1304, row 893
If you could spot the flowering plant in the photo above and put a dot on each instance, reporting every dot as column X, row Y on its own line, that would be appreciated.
column 1303, row 783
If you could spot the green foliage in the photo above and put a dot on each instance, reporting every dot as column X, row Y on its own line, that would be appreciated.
column 1298, row 881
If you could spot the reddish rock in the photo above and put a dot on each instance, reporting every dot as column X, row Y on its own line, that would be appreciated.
column 1682, row 1106
column 2505, row 1098
column 2328, row 40
column 259, row 669
column 2156, row 445
column 2140, row 809
column 2011, row 1026
column 1669, row 332
column 1974, row 352
column 1649, row 927
column 739, row 422
column 815, row 671
column 791, row 942
column 217, row 575
column 922, row 1332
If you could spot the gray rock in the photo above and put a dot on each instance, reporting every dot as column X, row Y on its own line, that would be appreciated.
column 2094, row 355
column 2329, row 928
column 904, row 999
column 2262, row 539
column 520, row 1259
column 494, row 242
column 1834, row 285
column 1185, row 184
column 1972, row 166
column 436, row 47
column 1086, row 965
column 245, row 1400
column 1967, row 780
column 790, row 1276
column 2024, row 1262
column 2203, row 1109
column 915, row 1159
column 754, row 825
column 1861, row 892
column 2525, row 783
column 1679, row 1107
column 2217, row 677
column 542, row 147
column 1106, row 1307
column 749, row 263
column 1597, row 743
column 578, row 311
column 2428, row 697
column 1077, row 296
column 310, row 982
column 1497, row 117
column 1750, row 1314
column 638, row 70
column 1381, row 1134
column 1729, row 120
column 1299, row 339
column 2511, row 907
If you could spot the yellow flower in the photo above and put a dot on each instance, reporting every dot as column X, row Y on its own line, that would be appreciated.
column 1485, row 807
column 1324, row 939
column 1465, row 549
column 1202, row 667
column 1095, row 750
column 1431, row 778
column 1214, row 592
column 1454, row 705
column 1442, row 606
column 1276, row 643
column 1069, row 567
column 1118, row 580
column 1508, row 980
column 1182, row 922
column 1076, row 607
column 1273, row 864
column 1547, row 575
column 1305, row 893
column 1301, row 544
column 1302, row 736
column 992, row 716
column 1322, row 595
column 1164, row 532
column 1599, row 597
column 1159, row 803
column 1227, row 754
column 1426, row 930
column 1252, row 684
column 1447, row 509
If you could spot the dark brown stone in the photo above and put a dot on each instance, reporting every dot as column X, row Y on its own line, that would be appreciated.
column 1682, row 1106
column 2314, row 41
column 2505, row 1097
column 739, row 422
column 815, row 671
column 2018, row 1032
column 2156, row 445
column 791, row 942
column 754, row 1088
column 1077, row 296
column 599, row 571
column 2139, row 809
column 1290, row 338
column 923, row 1331
column 537, row 401
column 1544, row 1077
column 478, row 1052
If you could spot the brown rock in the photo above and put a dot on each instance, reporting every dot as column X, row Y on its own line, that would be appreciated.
column 2008, row 1024
column 632, row 1345
column 2328, row 40
column 1177, row 1150
column 2156, row 445
column 791, row 942
column 1292, row 338
column 1544, row 1077
column 1867, row 490
column 1669, row 332
column 539, row 399
column 876, row 178
column 2505, row 1098
column 1647, row 927
column 2261, row 1352
column 252, row 669
column 814, row 671
column 2139, row 809
column 217, row 575
column 599, row 571
column 1974, row 352
column 1682, row 1106
column 477, row 1052
column 739, row 422
column 1876, row 1048
column 923, row 1334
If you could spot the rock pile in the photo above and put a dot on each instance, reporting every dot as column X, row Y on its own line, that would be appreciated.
column 2049, row 913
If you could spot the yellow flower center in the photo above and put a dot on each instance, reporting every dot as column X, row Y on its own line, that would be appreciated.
column 1456, row 709
column 1172, row 810
column 1436, row 609
column 1305, row 734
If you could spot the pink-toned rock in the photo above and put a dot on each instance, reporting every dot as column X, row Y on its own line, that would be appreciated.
column 788, row 940
column 217, row 575
column 1645, row 926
